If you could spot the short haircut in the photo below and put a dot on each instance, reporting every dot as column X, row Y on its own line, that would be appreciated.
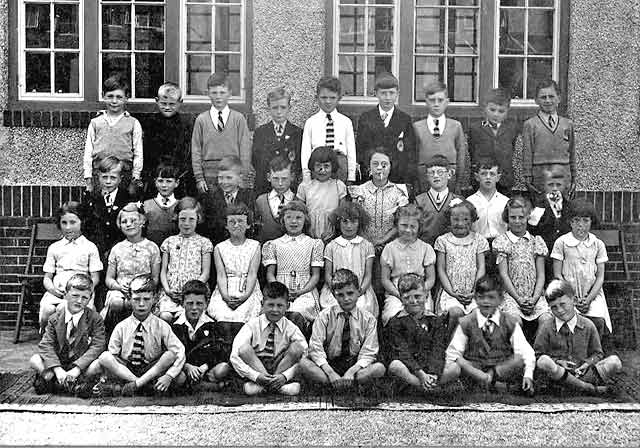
column 435, row 87
column 386, row 80
column 142, row 283
column 295, row 206
column 488, row 283
column 498, row 96
column 343, row 278
column 197, row 288
column 558, row 288
column 515, row 203
column 580, row 208
column 462, row 203
column 410, row 282
column 231, row 163
column 275, row 290
column 350, row 210
column 116, row 82
column 131, row 207
column 167, row 171
column 408, row 211
column 170, row 90
column 323, row 154
column 486, row 163
column 330, row 83
column 239, row 209
column 277, row 94
column 545, row 84
column 109, row 163
column 438, row 160
column 380, row 150
column 279, row 163
column 73, row 207
column 189, row 203
column 218, row 79
column 79, row 281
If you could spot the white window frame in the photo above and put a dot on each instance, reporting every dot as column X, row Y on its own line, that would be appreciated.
column 236, row 98
column 395, row 59
column 22, row 49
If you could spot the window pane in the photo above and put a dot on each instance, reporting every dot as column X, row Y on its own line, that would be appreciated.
column 66, row 26
column 149, row 74
column 430, row 2
column 427, row 69
column 116, row 27
column 462, row 79
column 38, row 72
column 512, row 31
column 512, row 3
column 537, row 70
column 199, row 28
column 542, row 3
column 351, row 75
column 198, row 70
column 380, row 37
column 37, row 26
column 430, row 30
column 375, row 66
column 540, row 32
column 510, row 76
column 67, row 73
column 463, row 32
column 463, row 2
column 353, row 2
column 149, row 30
column 228, row 29
column 229, row 64
column 116, row 63
column 351, row 29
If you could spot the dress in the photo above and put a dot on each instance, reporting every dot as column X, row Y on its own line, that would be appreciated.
column 237, row 260
column 353, row 255
column 579, row 266
column 294, row 257
column 185, row 263
column 520, row 254
column 461, row 266
column 321, row 199
column 403, row 259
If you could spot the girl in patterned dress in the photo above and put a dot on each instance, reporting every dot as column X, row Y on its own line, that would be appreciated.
column 460, row 262
column 237, row 297
column 350, row 251
column 520, row 257
column 323, row 193
column 295, row 259
column 186, row 256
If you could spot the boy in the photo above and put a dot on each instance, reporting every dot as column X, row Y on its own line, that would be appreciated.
column 568, row 346
column 328, row 127
column 142, row 348
column 114, row 132
column 439, row 134
column 488, row 346
column 435, row 201
column 217, row 133
column 344, row 340
column 387, row 126
column 73, row 339
column 269, row 205
column 167, row 140
column 161, row 222
column 549, row 141
column 278, row 138
column 488, row 201
column 268, row 348
column 495, row 137
column 196, row 331
column 418, row 340
column 228, row 192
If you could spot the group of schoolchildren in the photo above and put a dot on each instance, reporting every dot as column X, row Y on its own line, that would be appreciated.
column 317, row 274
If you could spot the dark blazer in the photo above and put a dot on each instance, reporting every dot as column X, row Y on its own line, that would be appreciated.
column 267, row 146
column 484, row 143
column 90, row 341
column 371, row 133
column 203, row 348
column 215, row 207
column 101, row 227
column 549, row 227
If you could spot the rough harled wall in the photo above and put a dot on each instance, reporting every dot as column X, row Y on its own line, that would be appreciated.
column 604, row 92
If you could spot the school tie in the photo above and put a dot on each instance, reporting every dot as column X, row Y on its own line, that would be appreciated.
column 279, row 130
column 228, row 198
column 487, row 329
column 566, row 335
column 107, row 200
column 72, row 330
column 346, row 335
column 384, row 118
column 330, row 137
column 280, row 205
column 270, row 345
column 165, row 201
column 136, row 358
column 220, row 122
column 436, row 129
column 552, row 122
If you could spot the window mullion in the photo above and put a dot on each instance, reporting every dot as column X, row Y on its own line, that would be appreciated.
column 365, row 55
column 52, row 47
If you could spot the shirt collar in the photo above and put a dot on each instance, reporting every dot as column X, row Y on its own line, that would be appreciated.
column 572, row 241
column 441, row 120
column 495, row 318
column 75, row 242
column 286, row 238
column 342, row 241
column 112, row 195
column 514, row 239
column 487, row 124
column 170, row 200
column 354, row 312
column 182, row 320
column 411, row 246
column 288, row 195
column 68, row 316
column 371, row 187
column 571, row 323
column 145, row 323
column 389, row 113
column 232, row 193
column 275, row 125
column 323, row 114
column 545, row 116
column 264, row 323
column 434, row 194
column 224, row 111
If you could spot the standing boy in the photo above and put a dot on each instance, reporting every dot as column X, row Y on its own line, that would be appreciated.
column 277, row 138
column 439, row 134
column 330, row 128
column 217, row 133
column 387, row 126
column 161, row 222
column 269, row 205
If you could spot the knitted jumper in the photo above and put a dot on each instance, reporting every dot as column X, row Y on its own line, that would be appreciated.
column 271, row 229
column 160, row 221
column 544, row 146
column 478, row 350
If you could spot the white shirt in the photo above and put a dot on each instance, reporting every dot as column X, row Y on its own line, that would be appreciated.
column 170, row 200
column 275, row 127
column 314, row 136
column 109, row 198
column 231, row 197
column 274, row 200
column 489, row 223
column 571, row 323
column 182, row 319
column 386, row 118
column 442, row 120
column 214, row 115
column 439, row 197
column 68, row 317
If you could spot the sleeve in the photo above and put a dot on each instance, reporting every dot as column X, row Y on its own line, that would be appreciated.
column 541, row 344
column 113, row 257
column 87, row 157
column 318, row 338
column 196, row 150
column 317, row 259
column 207, row 245
column 155, row 253
column 116, row 340
column 370, row 347
column 403, row 199
column 557, row 253
column 342, row 189
column 166, row 245
column 522, row 348
column 601, row 255
column 243, row 337
column 439, row 245
column 328, row 251
column 483, row 244
column 305, row 149
column 386, row 257
column 350, row 143
column 269, row 253
column 173, row 345
column 49, row 265
column 369, row 251
column 528, row 142
column 539, row 247
column 96, row 347
column 400, row 346
column 95, row 264
column 502, row 248
column 457, row 346
column 138, row 154
column 244, row 138
column 429, row 256
column 302, row 192
column 47, row 346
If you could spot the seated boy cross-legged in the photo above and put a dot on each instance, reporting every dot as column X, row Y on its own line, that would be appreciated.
column 267, row 349
column 142, row 348
column 344, row 340
column 488, row 346
column 568, row 346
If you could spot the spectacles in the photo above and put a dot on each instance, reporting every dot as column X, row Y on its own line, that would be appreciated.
column 437, row 172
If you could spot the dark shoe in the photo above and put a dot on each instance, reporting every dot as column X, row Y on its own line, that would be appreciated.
column 104, row 389
column 129, row 389
column 43, row 386
column 83, row 390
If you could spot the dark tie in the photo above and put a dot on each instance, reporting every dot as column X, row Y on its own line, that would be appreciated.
column 552, row 122
column 137, row 353
column 384, row 117
column 436, row 129
column 165, row 201
column 487, row 329
column 220, row 122
column 228, row 197
column 107, row 202
column 72, row 330
column 566, row 336
column 330, row 138
column 270, row 345
column 279, row 130
column 346, row 335
column 280, row 205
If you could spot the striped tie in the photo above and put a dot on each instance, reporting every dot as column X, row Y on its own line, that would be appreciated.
column 280, row 205
column 137, row 353
column 220, row 122
column 72, row 330
column 436, row 129
column 345, row 350
column 270, row 346
column 330, row 138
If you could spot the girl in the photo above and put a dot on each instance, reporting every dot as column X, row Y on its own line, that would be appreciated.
column 72, row 254
column 130, row 258
column 186, row 256
column 520, row 258
column 237, row 297
column 295, row 259
column 323, row 193
column 579, row 258
column 460, row 261
column 350, row 251
column 406, row 255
